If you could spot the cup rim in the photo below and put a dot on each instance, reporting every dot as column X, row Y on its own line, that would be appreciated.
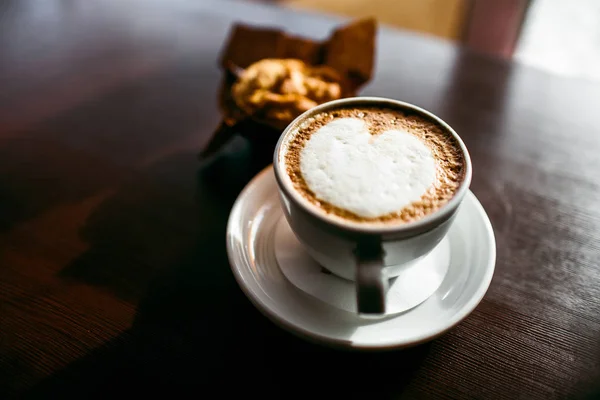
column 285, row 184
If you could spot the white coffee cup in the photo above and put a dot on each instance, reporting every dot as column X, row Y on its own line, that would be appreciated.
column 369, row 255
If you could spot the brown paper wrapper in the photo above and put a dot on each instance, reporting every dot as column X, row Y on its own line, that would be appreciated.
column 350, row 50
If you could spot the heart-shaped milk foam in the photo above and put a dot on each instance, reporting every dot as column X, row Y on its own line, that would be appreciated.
column 369, row 175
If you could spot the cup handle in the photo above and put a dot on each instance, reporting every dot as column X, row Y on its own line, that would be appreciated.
column 371, row 283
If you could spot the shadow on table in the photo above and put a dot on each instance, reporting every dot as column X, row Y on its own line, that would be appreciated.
column 65, row 158
column 38, row 174
column 194, row 330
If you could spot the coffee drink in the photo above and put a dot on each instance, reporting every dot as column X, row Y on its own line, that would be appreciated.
column 374, row 164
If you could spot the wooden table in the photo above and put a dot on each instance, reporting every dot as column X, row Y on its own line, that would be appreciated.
column 114, row 279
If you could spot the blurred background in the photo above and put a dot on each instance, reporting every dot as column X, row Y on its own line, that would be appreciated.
column 559, row 36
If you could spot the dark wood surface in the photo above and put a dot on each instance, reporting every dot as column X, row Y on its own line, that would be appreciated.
column 114, row 279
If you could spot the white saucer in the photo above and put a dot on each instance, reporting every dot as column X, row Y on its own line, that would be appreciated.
column 414, row 285
column 251, row 250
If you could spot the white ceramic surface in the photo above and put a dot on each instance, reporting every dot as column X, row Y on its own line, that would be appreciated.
column 251, row 251
column 414, row 284
column 333, row 241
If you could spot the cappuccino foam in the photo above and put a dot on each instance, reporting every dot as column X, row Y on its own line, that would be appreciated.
column 372, row 164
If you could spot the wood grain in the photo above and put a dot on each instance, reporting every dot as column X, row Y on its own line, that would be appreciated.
column 114, row 280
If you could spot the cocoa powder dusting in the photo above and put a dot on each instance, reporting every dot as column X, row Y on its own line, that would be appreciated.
column 445, row 149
